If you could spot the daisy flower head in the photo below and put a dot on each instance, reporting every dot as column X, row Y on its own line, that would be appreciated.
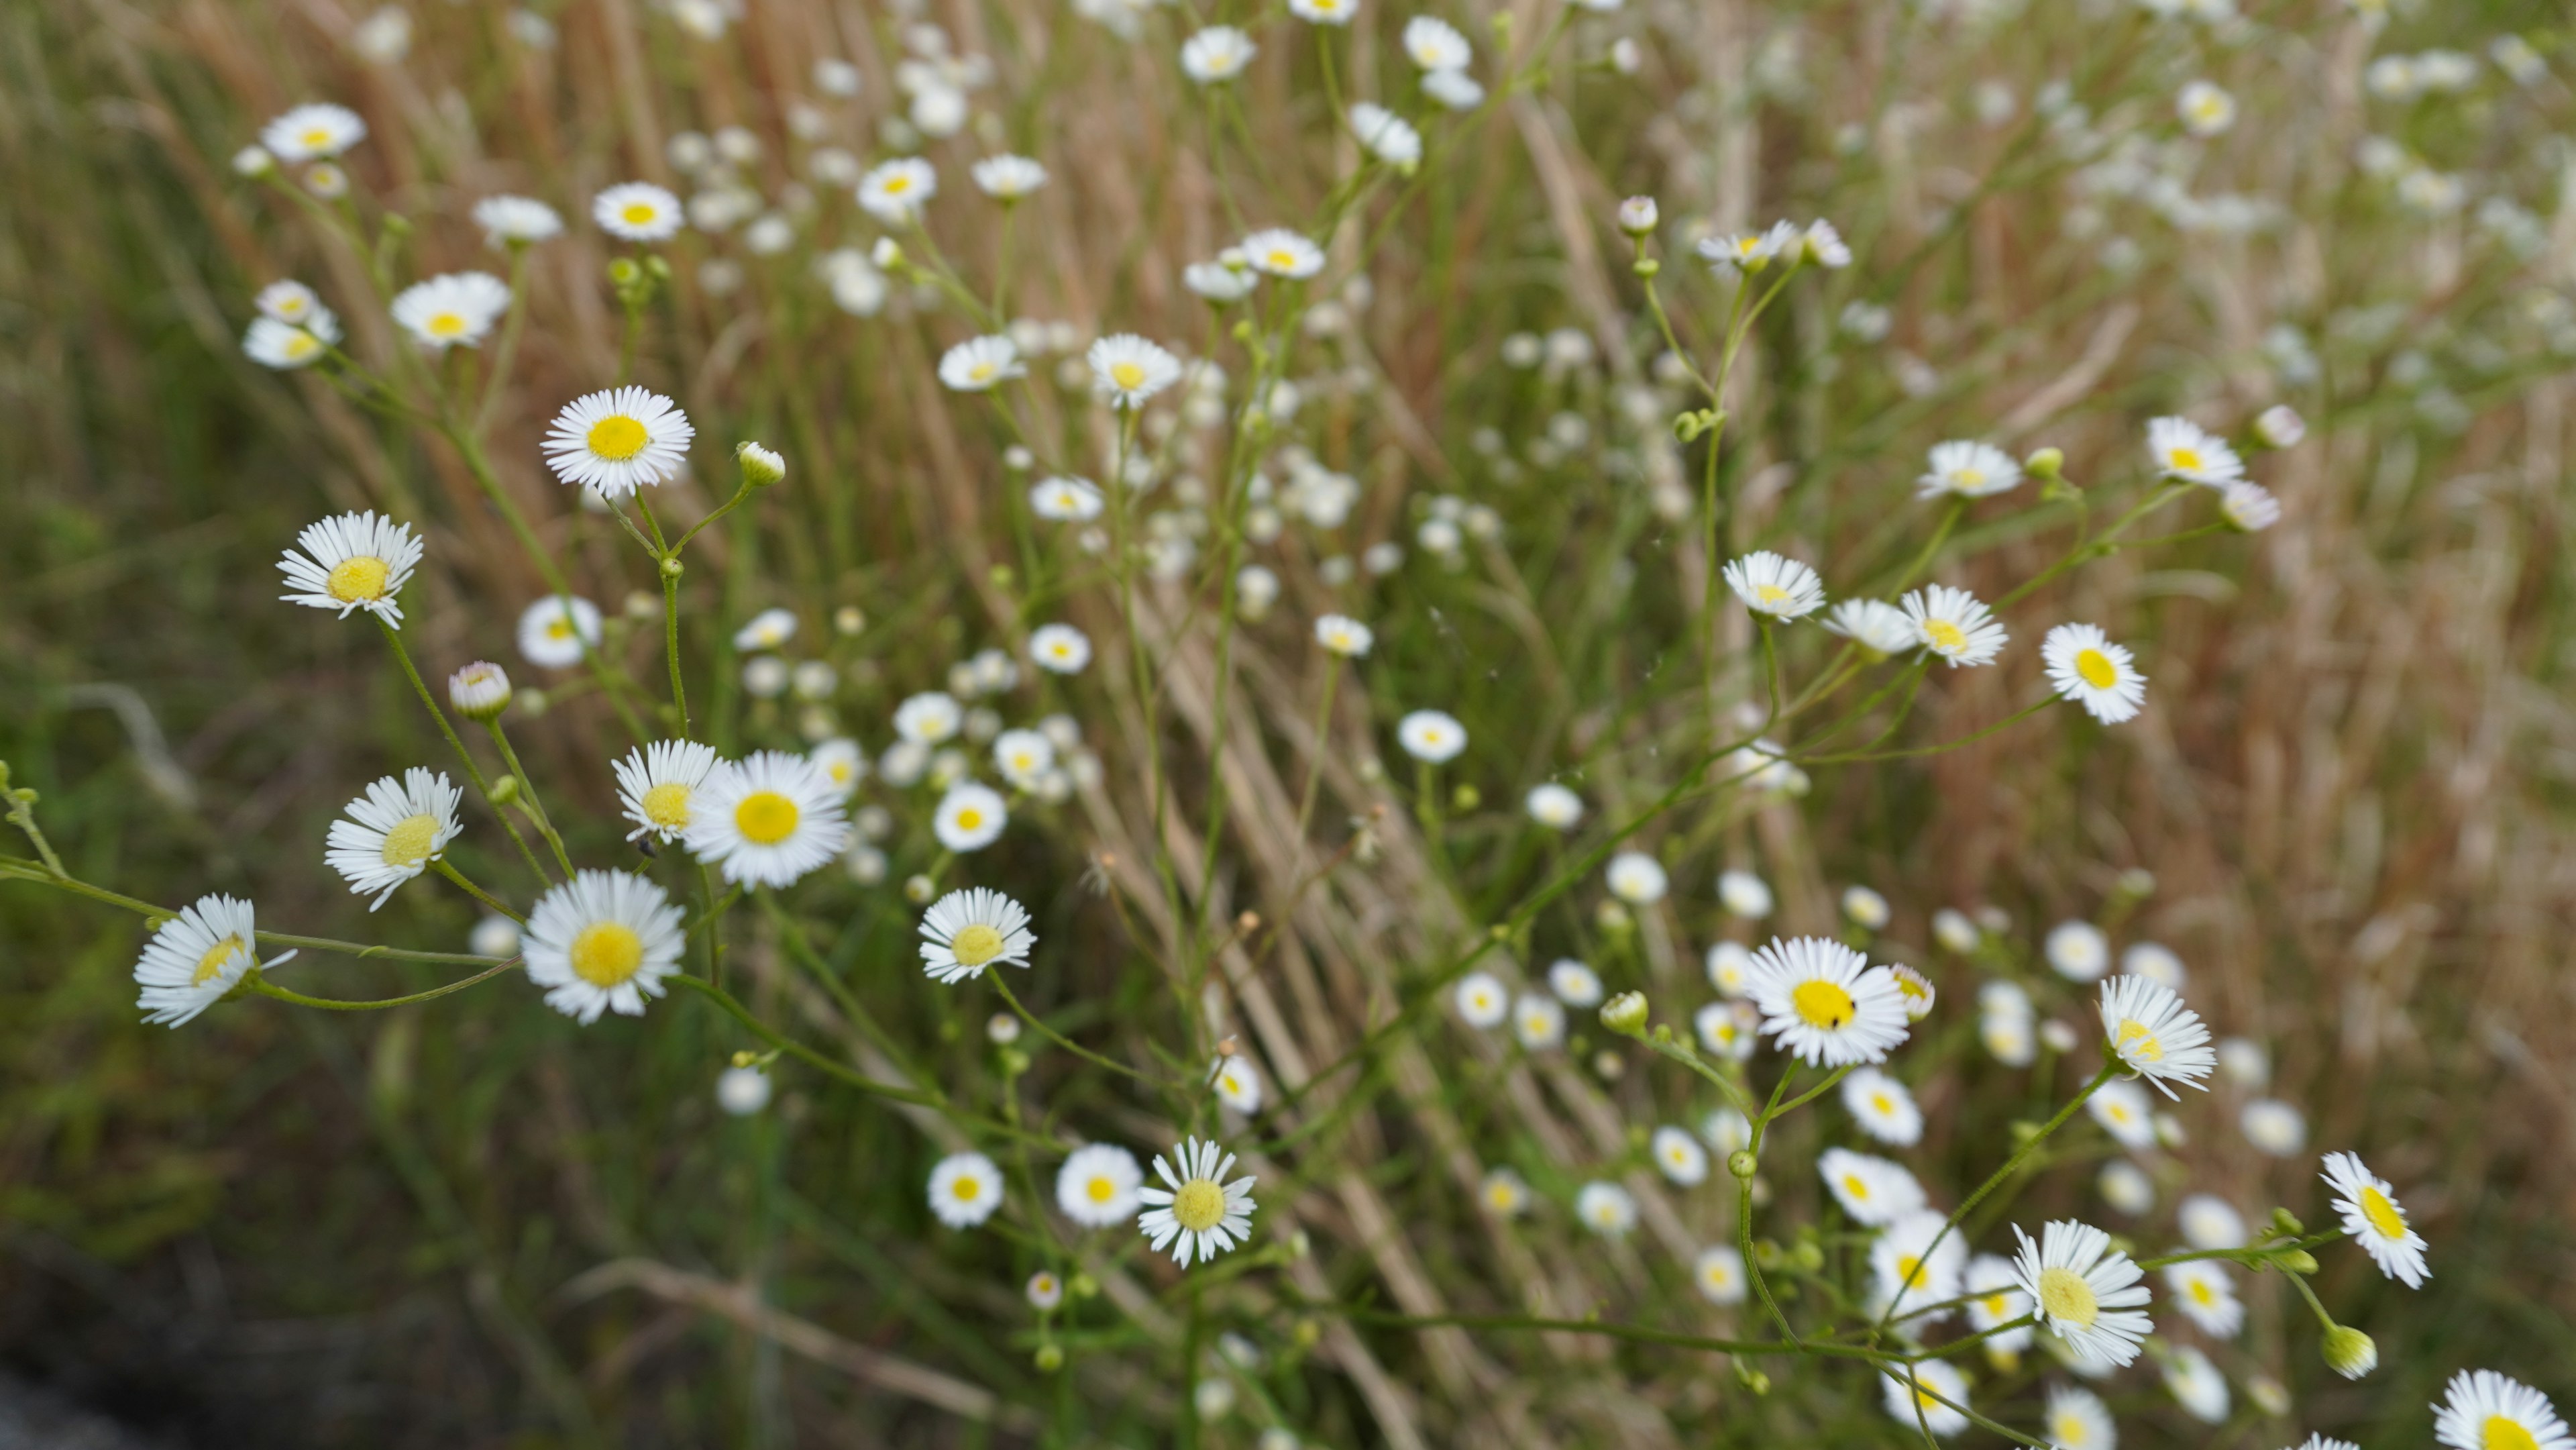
column 2372, row 1216
column 2077, row 951
column 742, row 1091
column 2126, row 1187
column 2085, row 667
column 619, row 439
column 1719, row 1273
column 1749, row 251
column 2086, row 1292
column 1059, row 649
column 2206, row 1294
column 1726, row 1131
column 1606, row 1208
column 769, row 819
column 479, row 691
column 1279, row 252
column 1344, row 636
column 2125, row 1112
column 2280, row 426
column 1388, row 136
column 658, row 783
column 1097, row 1186
column 1637, row 878
column 1574, row 984
column 1431, row 735
column 1324, row 12
column 970, row 817
column 928, row 718
column 1820, row 245
column 1744, row 894
column 2210, row 1222
column 1127, row 369
column 2078, row 1420
column 394, row 832
column 1219, row 282
column 1917, row 990
column 282, row 346
column 1007, row 178
column 1995, row 1299
column 1024, row 757
column 1730, row 968
column 2483, row 1410
column 1914, row 1264
column 769, row 629
column 1955, row 625
column 1554, row 806
column 556, row 631
column 1217, row 53
column 1967, row 470
column 2196, row 1385
column 1727, row 1030
column 980, row 364
column 1065, row 500
column 1483, row 1001
column 1197, row 1213
column 1865, row 908
column 2205, row 109
column 2274, row 1127
column 291, row 302
column 313, row 132
column 2313, row 1442
column 965, row 1189
column 1825, row 1003
column 602, row 942
column 894, row 192
column 1874, row 624
column 1539, row 1022
column 1504, row 1193
column 2154, row 1035
column 2248, row 507
column 196, row 957
column 1045, row 1291
column 1924, row 1396
column 637, row 211
column 1883, row 1107
column 351, row 561
column 1435, row 44
column 2185, row 451
column 1237, row 1083
column 1678, row 1156
column 516, row 221
column 1454, row 89
column 966, row 931
column 1873, row 1191
column 1770, row 584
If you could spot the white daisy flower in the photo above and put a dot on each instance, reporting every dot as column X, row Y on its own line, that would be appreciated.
column 928, row 718
column 1967, row 470
column 1007, row 177
column 1726, row 1131
column 1678, row 1156
column 1883, row 1107
column 2275, row 1127
column 1914, row 1265
column 516, row 220
column 1065, row 500
column 965, row 1189
column 1504, row 1193
column 1606, row 1208
column 618, row 440
column 290, row 302
column 2205, row 1292
column 283, row 345
column 393, row 832
column 1219, row 282
column 1097, row 1186
column 2085, row 667
column 2125, row 1112
column 1730, row 968
column 2371, row 1214
column 1045, row 1291
column 657, row 784
column 556, row 631
column 1822, row 246
column 351, row 561
column 1346, row 637
column 1483, row 1001
column 1197, row 1207
column 2254, row 1391
column 2155, row 1035
column 637, row 211
column 1388, row 136
column 2126, row 1187
column 1431, row 735
column 1727, row 1030
column 970, row 817
column 1752, row 251
column 1825, row 1003
column 1996, row 1299
column 1059, row 649
column 2210, row 1222
column 1217, row 53
column 2483, row 1410
column 2078, row 1420
column 1952, row 929
column 769, row 819
column 2205, row 109
column 2248, row 506
column 1953, row 624
column 1924, row 1401
column 2077, row 951
column 840, row 760
column 1719, row 1273
column 1637, row 878
column 2280, row 426
column 2184, row 450
column 2087, row 1292
column 1780, row 587
column 966, row 931
column 2014, row 1041
column 1237, row 1083
column 769, row 629
column 1918, row 991
column 742, row 1091
column 1127, row 369
column 1283, row 253
column 1435, row 44
column 1539, row 1022
column 196, row 957
column 1324, row 12
column 603, row 941
column 1554, row 806
column 313, row 132
column 894, row 192
column 1874, row 624
column 1873, row 1191
column 1744, row 894
column 1574, row 984
column 1454, row 89
column 980, row 364
column 2196, row 1385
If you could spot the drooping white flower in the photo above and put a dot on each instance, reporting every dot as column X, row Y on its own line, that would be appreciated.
column 1967, row 470
column 2371, row 1214
column 1771, row 584
column 516, row 221
column 195, row 957
column 1008, row 178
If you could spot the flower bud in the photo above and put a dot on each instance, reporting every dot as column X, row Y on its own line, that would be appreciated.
column 1050, row 1358
column 253, row 161
column 1742, row 1163
column 2286, row 1223
column 760, row 466
column 2045, row 463
column 2349, row 1352
column 1625, row 1014
column 2280, row 426
column 1637, row 215
column 480, row 691
column 505, row 790
column 2297, row 1261
column 887, row 254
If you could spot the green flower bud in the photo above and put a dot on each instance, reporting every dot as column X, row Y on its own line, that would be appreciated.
column 1625, row 1014
column 1742, row 1163
column 2349, row 1352
column 1050, row 1358
column 760, row 466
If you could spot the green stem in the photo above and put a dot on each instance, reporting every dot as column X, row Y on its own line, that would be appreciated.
column 265, row 988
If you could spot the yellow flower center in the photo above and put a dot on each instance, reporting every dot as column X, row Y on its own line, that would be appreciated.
column 2202, row 1294
column 211, row 965
column 2383, row 1213
column 2069, row 1430
column 1127, row 375
column 2065, row 1297
column 2137, row 1044
column 967, row 1188
column 1770, row 593
column 969, row 818
column 616, row 438
column 2184, row 460
column 637, row 213
column 408, row 843
column 897, row 185
column 1971, row 477
column 301, row 344
column 359, row 578
column 1856, row 1186
column 1882, row 1102
column 2096, row 668
column 1945, row 636
column 975, row 945
column 316, row 138
column 2501, row 1433
column 1200, row 1205
column 1822, row 1004
column 766, row 818
column 445, row 324
column 606, row 953
column 981, row 372
column 559, row 628
column 1501, row 1195
column 1994, row 1304
column 667, row 805
column 1101, row 1190
column 1909, row 1270
column 1282, row 258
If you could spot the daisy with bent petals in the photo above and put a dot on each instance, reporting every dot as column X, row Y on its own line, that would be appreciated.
column 618, row 440
column 1006, row 177
column 2085, row 667
column 284, row 345
column 1955, row 625
column 966, row 931
column 1874, row 624
column 1435, row 44
column 602, row 942
column 194, row 958
column 516, row 221
column 1825, row 1003
column 767, row 820
column 1926, row 1399
column 2372, row 1216
column 2154, row 1035
column 637, row 211
column 1967, row 470
column 454, row 310
column 1097, row 1185
column 1770, row 584
column 1196, row 1207
column 394, row 832
column 980, row 364
column 2483, row 1410
column 1127, row 369
column 965, row 1189
column 2087, row 1292
column 352, row 561
column 2188, row 453
column 657, row 783
column 2248, row 506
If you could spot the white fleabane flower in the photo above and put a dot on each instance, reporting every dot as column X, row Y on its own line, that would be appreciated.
column 1637, row 878
column 196, row 957
column 1388, row 136
column 603, row 942
column 1678, row 1156
column 894, row 192
column 286, row 345
column 1127, row 369
column 2483, row 1410
column 1874, row 624
column 1719, row 1273
column 1768, row 583
column 2370, row 1213
column 1324, row 12
column 928, row 718
column 313, row 132
column 479, row 691
column 2206, row 1295
column 1883, row 1107
column 1538, row 1022
column 1505, row 1193
column 1574, row 984
column 290, row 302
column 966, row 931
column 2185, row 451
column 657, row 784
column 1059, row 649
column 1865, row 908
column 1097, row 1185
column 1953, row 624
column 516, row 221
column 1431, row 735
column 1753, row 251
column 2196, row 1385
column 1454, row 89
column 556, row 631
column 1996, row 1299
column 2210, row 1222
column 1065, row 500
column 1237, row 1083
column 1967, row 470
column 2248, row 506
column 1023, row 757
column 453, row 310
column 351, row 561
column 1606, row 1208
column 1482, row 1000
column 1045, row 1291
column 1819, row 245
column 1282, row 253
column 1730, row 968
column 1728, row 1030
column 619, row 439
column 1435, row 44
column 1914, row 1264
column 2154, row 1035
column 965, row 1189
column 1874, row 1191
column 2078, row 1420
column 769, row 629
column 1197, row 1208
column 1219, row 282
column 2205, row 109
column 2085, row 667
column 970, row 817
column 1826, row 1004
column 1217, row 53
column 2280, row 426
column 394, row 832
column 2077, row 951
column 980, row 364
column 1924, row 1394
column 1007, row 177
column 1726, row 1131
column 1744, row 894
column 638, row 211
column 2125, row 1112
column 1554, row 806
column 1343, row 635
column 2126, row 1187
column 767, row 820
column 2086, row 1292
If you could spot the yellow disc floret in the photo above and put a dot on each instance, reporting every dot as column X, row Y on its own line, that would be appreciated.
column 359, row 578
column 766, row 818
column 606, row 953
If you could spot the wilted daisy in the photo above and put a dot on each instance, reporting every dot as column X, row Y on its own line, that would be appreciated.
column 1065, row 500
column 966, row 931
column 1431, row 735
column 1953, row 624
column 2087, row 1292
column 1995, row 1298
column 1744, row 894
column 351, row 561
column 1605, row 1208
column 928, row 718
column 970, row 817
column 394, row 832
column 1825, row 1003
column 1059, row 649
column 2125, row 1111
column 1873, row 1191
column 1344, row 636
column 2372, row 1216
column 196, row 957
column 2077, row 951
column 1730, row 968
column 2205, row 109
column 1388, row 136
column 965, row 1189
column 1007, row 177
column 1874, row 624
column 1482, row 1000
column 894, row 192
column 658, row 783
column 980, row 364
column 1435, row 44
column 2248, row 506
column 1217, row 53
column 637, row 211
column 1097, row 1185
column 2154, row 1035
column 1127, row 369
column 1915, row 1265
column 2184, row 450
column 601, row 942
column 2483, row 1410
column 2205, row 1292
column 1574, row 984
column 2078, row 1420
column 1967, row 470
column 1678, row 1156
column 618, row 440
column 1637, row 878
column 767, row 820
column 2085, row 667
column 1282, row 253
column 558, row 630
column 1504, row 1193
column 1922, row 1395
column 1770, row 584
column 1539, row 1022
column 1197, row 1207
column 453, row 310
column 2273, row 1126
column 1727, row 1030
column 1719, row 1273
column 516, row 220
column 1916, row 989
column 313, row 132
column 2196, row 1385
column 1883, row 1107
column 1554, row 806
column 1821, row 245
